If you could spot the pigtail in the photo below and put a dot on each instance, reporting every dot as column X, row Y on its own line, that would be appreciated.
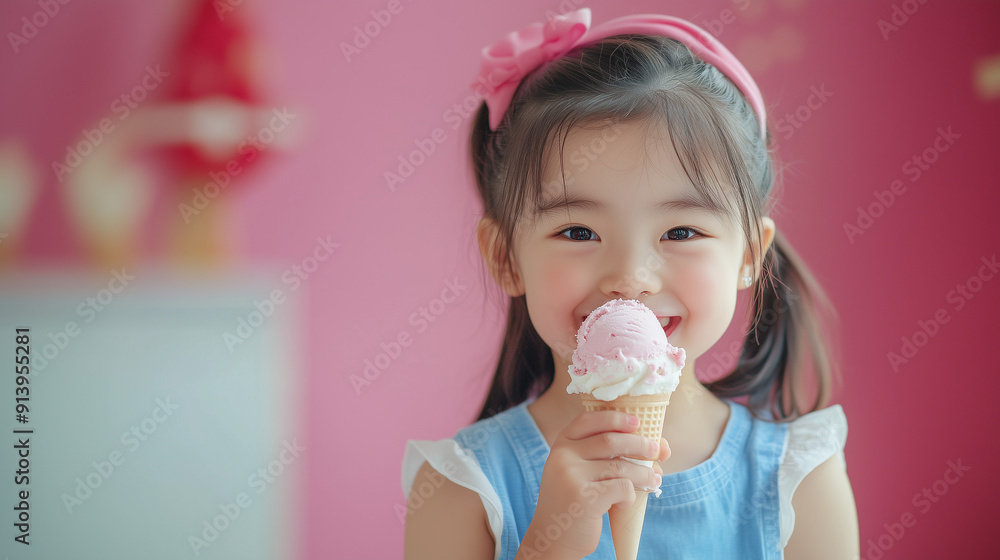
column 785, row 343
column 526, row 366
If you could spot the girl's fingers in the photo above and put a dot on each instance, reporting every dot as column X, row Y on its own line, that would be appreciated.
column 608, row 445
column 606, row 493
column 589, row 424
column 664, row 450
column 640, row 476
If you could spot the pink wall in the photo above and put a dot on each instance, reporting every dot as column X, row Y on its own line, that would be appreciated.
column 399, row 249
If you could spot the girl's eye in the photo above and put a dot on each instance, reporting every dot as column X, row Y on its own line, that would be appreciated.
column 680, row 234
column 578, row 233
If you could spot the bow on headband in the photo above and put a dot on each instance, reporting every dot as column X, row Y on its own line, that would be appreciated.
column 506, row 62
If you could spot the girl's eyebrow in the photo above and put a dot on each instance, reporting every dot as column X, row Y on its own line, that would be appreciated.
column 687, row 203
column 554, row 205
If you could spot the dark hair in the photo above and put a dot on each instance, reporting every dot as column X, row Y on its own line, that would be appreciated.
column 628, row 78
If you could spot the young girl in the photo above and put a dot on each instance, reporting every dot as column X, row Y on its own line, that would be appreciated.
column 631, row 161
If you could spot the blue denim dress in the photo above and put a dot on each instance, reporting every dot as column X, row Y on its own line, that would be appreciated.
column 725, row 507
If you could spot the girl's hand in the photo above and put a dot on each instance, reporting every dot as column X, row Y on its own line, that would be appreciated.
column 583, row 477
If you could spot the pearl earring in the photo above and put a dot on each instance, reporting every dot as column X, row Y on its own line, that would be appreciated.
column 747, row 281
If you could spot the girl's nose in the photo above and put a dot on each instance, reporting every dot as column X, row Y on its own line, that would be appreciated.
column 629, row 279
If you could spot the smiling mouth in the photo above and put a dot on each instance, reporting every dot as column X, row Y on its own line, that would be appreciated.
column 669, row 324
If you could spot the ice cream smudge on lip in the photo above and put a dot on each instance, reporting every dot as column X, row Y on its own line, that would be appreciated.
column 622, row 350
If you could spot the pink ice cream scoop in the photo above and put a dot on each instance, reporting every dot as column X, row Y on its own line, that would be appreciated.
column 622, row 350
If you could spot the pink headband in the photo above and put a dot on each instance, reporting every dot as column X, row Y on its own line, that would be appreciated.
column 509, row 60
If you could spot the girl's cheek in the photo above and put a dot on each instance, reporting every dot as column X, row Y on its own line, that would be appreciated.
column 555, row 274
column 563, row 276
column 709, row 295
column 701, row 277
column 561, row 285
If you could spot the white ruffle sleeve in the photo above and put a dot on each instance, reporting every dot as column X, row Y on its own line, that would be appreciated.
column 460, row 467
column 812, row 439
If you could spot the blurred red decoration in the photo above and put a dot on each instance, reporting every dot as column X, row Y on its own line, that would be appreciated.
column 213, row 65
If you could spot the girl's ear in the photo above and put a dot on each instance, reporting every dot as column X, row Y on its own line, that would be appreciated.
column 497, row 259
column 750, row 269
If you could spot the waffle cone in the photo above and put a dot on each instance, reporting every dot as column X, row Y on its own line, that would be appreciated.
column 626, row 526
column 626, row 523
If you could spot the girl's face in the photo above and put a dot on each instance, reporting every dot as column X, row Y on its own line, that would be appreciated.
column 634, row 227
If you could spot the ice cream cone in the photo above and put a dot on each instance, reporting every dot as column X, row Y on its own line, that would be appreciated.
column 626, row 524
column 626, row 527
column 622, row 349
